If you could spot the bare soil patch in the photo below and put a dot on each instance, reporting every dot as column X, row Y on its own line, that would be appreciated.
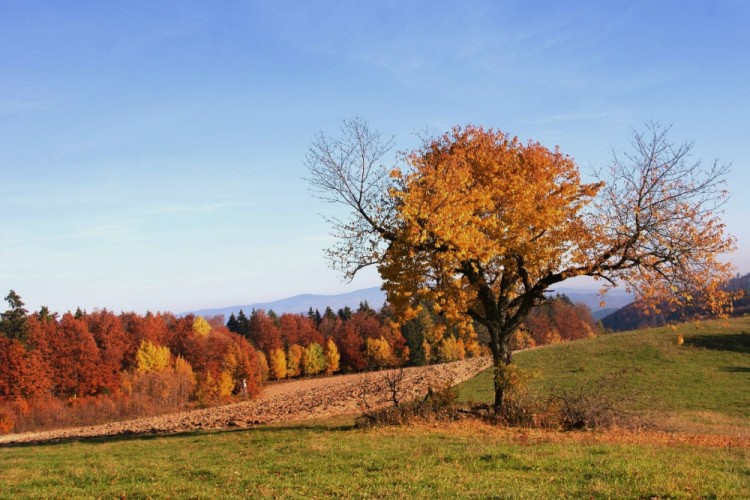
column 282, row 402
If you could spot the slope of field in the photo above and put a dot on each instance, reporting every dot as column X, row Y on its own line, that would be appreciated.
column 703, row 385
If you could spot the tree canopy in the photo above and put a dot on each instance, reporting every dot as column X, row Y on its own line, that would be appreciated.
column 479, row 224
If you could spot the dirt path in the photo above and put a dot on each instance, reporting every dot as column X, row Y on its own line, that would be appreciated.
column 289, row 401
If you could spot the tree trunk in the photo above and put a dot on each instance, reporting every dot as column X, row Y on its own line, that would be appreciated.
column 502, row 356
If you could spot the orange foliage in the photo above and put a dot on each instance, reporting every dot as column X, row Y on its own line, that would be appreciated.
column 74, row 359
column 480, row 224
column 264, row 334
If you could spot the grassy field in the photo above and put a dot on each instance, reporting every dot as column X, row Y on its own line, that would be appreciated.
column 703, row 385
column 460, row 460
column 705, row 382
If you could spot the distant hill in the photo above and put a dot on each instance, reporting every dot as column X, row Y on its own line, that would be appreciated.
column 614, row 300
column 376, row 297
column 603, row 313
column 302, row 303
column 631, row 317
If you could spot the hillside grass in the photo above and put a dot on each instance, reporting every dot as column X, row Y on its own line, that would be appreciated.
column 703, row 385
column 707, row 378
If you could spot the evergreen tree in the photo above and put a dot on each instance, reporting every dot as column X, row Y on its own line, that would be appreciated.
column 275, row 317
column 318, row 319
column 345, row 314
column 13, row 321
column 329, row 314
column 232, row 323
column 243, row 324
column 413, row 331
column 364, row 307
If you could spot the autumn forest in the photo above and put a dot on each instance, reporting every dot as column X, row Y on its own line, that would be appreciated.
column 87, row 367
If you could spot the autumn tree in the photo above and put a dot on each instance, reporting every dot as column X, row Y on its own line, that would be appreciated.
column 313, row 359
column 558, row 318
column 277, row 364
column 294, row 360
column 151, row 357
column 201, row 327
column 378, row 353
column 74, row 359
column 351, row 347
column 23, row 373
column 480, row 224
column 332, row 357
column 110, row 338
column 263, row 331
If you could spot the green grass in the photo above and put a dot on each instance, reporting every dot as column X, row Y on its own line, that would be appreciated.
column 707, row 378
column 324, row 462
column 708, row 375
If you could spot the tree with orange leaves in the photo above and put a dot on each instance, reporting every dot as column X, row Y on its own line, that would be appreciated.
column 480, row 224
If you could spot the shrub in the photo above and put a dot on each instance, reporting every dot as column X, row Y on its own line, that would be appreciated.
column 596, row 406
column 600, row 405
column 437, row 405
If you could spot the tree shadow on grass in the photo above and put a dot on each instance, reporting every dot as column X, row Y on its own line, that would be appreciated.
column 145, row 436
column 721, row 342
column 736, row 369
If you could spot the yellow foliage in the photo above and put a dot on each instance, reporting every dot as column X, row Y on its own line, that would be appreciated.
column 313, row 359
column 184, row 380
column 277, row 364
column 521, row 340
column 427, row 351
column 332, row 357
column 201, row 327
column 473, row 348
column 207, row 390
column 263, row 364
column 294, row 360
column 230, row 362
column 151, row 357
column 451, row 349
column 225, row 385
column 378, row 352
column 552, row 337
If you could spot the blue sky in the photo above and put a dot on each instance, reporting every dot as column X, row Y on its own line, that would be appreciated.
column 151, row 153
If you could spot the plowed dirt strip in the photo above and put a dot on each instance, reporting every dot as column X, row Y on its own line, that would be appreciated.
column 289, row 401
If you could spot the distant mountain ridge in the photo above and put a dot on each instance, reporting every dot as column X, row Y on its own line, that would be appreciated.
column 375, row 297
column 632, row 317
column 613, row 300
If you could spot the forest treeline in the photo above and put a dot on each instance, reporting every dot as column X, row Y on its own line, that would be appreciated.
column 82, row 367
